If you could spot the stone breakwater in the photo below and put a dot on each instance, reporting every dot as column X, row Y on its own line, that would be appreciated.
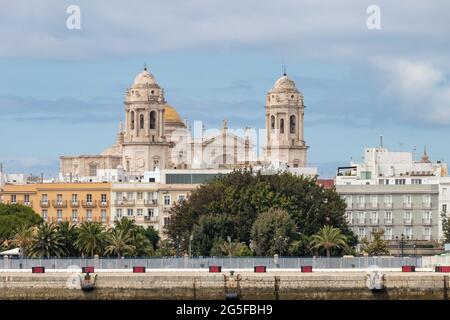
column 201, row 285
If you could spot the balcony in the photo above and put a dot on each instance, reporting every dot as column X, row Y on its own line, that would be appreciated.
column 26, row 203
column 359, row 205
column 124, row 203
column 388, row 205
column 104, row 204
column 74, row 204
column 373, row 205
column 388, row 221
column 149, row 219
column 408, row 221
column 89, row 204
column 407, row 205
column 426, row 221
column 151, row 203
column 426, row 237
column 426, row 205
column 59, row 203
column 360, row 222
column 45, row 204
column 374, row 221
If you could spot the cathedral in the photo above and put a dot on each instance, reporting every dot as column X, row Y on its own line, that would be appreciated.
column 154, row 137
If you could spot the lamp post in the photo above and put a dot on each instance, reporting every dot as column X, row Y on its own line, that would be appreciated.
column 191, row 237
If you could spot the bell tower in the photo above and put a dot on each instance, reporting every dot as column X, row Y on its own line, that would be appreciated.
column 285, row 142
column 144, row 142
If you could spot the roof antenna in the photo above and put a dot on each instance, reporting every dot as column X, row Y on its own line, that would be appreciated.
column 284, row 70
column 145, row 67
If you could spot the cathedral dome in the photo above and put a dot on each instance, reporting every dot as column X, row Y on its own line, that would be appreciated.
column 171, row 115
column 144, row 79
column 284, row 83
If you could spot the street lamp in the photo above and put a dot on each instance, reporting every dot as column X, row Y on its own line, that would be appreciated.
column 191, row 237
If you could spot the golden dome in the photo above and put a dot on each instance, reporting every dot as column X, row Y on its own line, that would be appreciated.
column 171, row 115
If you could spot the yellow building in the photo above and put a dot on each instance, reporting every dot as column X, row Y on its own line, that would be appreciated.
column 75, row 202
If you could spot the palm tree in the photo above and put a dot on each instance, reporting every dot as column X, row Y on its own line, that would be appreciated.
column 126, row 225
column 68, row 232
column 231, row 248
column 119, row 243
column 47, row 242
column 143, row 246
column 23, row 238
column 328, row 238
column 91, row 238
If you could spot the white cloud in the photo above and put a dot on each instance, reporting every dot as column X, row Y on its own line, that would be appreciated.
column 420, row 88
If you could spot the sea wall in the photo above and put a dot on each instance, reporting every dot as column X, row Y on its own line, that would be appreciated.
column 204, row 285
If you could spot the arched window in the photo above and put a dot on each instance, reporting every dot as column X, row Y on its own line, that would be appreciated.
column 132, row 120
column 272, row 122
column 141, row 121
column 281, row 125
column 292, row 124
column 152, row 120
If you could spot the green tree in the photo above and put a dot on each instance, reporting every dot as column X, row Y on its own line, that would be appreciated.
column 47, row 242
column 119, row 243
column 378, row 246
column 152, row 235
column 142, row 245
column 230, row 204
column 12, row 216
column 68, row 232
column 273, row 232
column 445, row 227
column 232, row 248
column 328, row 238
column 23, row 238
column 91, row 238
column 165, row 249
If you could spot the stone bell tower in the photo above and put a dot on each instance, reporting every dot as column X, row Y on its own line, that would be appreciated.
column 144, row 143
column 285, row 142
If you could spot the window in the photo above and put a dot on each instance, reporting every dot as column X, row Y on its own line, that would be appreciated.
column 74, row 215
column 93, row 170
column 89, row 215
column 44, row 198
column 416, row 181
column 59, row 215
column 444, row 208
column 59, row 198
column 132, row 120
column 13, row 198
column 141, row 121
column 103, row 215
column 150, row 212
column 119, row 196
column 139, row 212
column 388, row 233
column 139, row 195
column 74, row 198
column 152, row 120
column 130, row 195
column 103, row 198
column 348, row 201
column 349, row 217
column 292, row 124
column 281, row 125
column 366, row 175
column 26, row 199
column 427, row 216
column 388, row 217
column 408, row 232
column 373, row 200
column 167, row 200
column 408, row 216
column 427, row 200
column 166, row 221
column 272, row 122
column 362, row 233
column 181, row 197
column 388, row 199
column 118, row 213
column 407, row 199
column 427, row 233
column 374, row 217
column 361, row 217
column 130, row 212
column 400, row 181
column 44, row 214
column 89, row 198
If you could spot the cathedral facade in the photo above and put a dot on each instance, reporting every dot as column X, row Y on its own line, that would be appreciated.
column 153, row 136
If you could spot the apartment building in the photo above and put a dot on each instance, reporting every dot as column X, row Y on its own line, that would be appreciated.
column 56, row 202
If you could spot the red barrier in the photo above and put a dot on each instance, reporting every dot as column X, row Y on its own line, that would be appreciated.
column 408, row 268
column 37, row 269
column 215, row 269
column 139, row 269
column 87, row 269
column 306, row 268
column 442, row 269
column 260, row 268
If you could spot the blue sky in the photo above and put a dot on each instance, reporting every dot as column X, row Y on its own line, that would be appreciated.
column 61, row 90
